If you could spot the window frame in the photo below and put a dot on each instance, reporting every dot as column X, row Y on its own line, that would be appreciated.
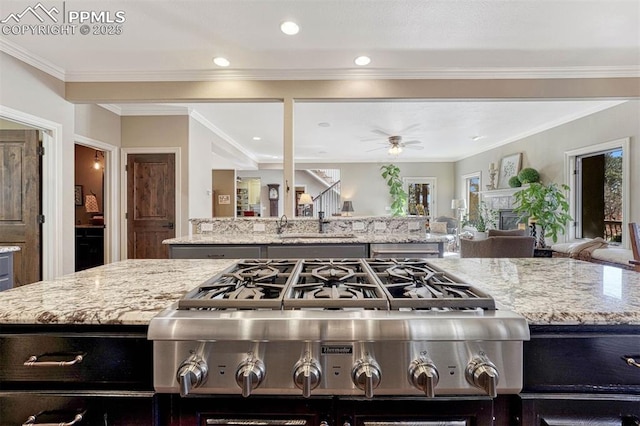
column 572, row 177
column 433, row 192
column 465, row 188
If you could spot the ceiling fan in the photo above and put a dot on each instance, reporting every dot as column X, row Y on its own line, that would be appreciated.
column 395, row 145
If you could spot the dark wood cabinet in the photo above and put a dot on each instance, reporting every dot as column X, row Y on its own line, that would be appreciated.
column 576, row 375
column 42, row 376
column 89, row 246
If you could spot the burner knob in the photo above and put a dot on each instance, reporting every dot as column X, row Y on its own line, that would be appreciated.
column 306, row 376
column 366, row 375
column 423, row 375
column 191, row 373
column 250, row 375
column 483, row 374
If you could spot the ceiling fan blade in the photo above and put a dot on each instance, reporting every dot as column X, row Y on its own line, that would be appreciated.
column 414, row 142
column 380, row 132
column 414, row 147
column 408, row 128
column 376, row 149
column 370, row 139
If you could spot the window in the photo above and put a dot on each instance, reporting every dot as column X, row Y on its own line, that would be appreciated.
column 599, row 191
column 472, row 194
column 421, row 195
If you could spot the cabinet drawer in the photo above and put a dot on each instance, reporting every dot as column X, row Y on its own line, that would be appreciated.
column 108, row 362
column 99, row 409
column 317, row 251
column 567, row 364
column 217, row 252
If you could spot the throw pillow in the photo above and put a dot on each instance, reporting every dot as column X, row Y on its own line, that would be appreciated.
column 438, row 227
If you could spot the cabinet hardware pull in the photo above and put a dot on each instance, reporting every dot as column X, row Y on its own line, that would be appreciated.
column 31, row 421
column 631, row 361
column 33, row 362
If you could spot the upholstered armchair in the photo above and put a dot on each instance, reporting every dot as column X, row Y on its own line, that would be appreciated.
column 517, row 246
column 507, row 233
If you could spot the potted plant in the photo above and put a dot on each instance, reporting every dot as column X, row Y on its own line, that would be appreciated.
column 391, row 174
column 486, row 219
column 546, row 206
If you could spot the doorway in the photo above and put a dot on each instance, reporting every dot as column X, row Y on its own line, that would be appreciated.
column 90, row 205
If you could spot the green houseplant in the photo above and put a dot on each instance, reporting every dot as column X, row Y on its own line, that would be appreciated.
column 547, row 206
column 391, row 174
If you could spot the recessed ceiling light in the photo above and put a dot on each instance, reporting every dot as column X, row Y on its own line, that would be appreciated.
column 221, row 62
column 257, row 138
column 362, row 60
column 324, row 124
column 476, row 138
column 289, row 28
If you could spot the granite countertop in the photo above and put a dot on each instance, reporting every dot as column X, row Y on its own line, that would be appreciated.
column 127, row 292
column 545, row 291
column 554, row 291
column 7, row 249
column 415, row 237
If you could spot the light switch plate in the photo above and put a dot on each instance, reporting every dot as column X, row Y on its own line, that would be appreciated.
column 206, row 227
column 258, row 227
column 358, row 226
column 379, row 226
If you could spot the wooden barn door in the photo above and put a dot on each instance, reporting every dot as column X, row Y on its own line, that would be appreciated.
column 20, row 202
column 151, row 196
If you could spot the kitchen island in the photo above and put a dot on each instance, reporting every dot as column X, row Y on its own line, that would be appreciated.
column 581, row 316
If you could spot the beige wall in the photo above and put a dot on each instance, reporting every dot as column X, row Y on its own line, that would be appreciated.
column 95, row 122
column 545, row 151
column 158, row 132
column 224, row 183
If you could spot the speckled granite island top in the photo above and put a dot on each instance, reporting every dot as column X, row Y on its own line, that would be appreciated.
column 7, row 249
column 126, row 292
column 544, row 291
column 554, row 291
column 278, row 239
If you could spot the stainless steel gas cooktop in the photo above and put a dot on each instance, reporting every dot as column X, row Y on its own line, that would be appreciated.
column 337, row 327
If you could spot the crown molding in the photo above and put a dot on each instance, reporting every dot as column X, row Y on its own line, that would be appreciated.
column 317, row 74
column 225, row 137
column 27, row 57
column 360, row 74
column 152, row 109
column 116, row 109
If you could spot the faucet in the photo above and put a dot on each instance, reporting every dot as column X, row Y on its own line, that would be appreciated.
column 322, row 223
column 281, row 224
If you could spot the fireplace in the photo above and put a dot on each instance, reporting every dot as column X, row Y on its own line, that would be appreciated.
column 508, row 219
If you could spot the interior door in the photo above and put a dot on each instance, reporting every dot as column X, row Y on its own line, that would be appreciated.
column 150, row 205
column 20, row 201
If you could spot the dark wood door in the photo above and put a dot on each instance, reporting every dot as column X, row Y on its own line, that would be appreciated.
column 150, row 205
column 20, row 201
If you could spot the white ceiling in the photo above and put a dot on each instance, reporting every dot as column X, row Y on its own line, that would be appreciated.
column 177, row 40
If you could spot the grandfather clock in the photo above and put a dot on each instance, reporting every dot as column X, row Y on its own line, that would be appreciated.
column 274, row 196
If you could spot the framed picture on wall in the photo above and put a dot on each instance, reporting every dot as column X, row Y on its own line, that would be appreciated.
column 78, row 195
column 509, row 167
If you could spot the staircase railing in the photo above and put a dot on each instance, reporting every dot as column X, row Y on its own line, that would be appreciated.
column 328, row 201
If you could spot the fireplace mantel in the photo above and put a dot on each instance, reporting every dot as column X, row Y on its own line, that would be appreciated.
column 500, row 199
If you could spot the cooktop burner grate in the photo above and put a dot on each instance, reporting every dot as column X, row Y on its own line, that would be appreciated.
column 250, row 284
column 334, row 284
column 415, row 284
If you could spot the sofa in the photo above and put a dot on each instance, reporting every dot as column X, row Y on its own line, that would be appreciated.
column 594, row 250
column 498, row 246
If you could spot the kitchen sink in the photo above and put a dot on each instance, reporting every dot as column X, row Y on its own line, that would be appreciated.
column 315, row 235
